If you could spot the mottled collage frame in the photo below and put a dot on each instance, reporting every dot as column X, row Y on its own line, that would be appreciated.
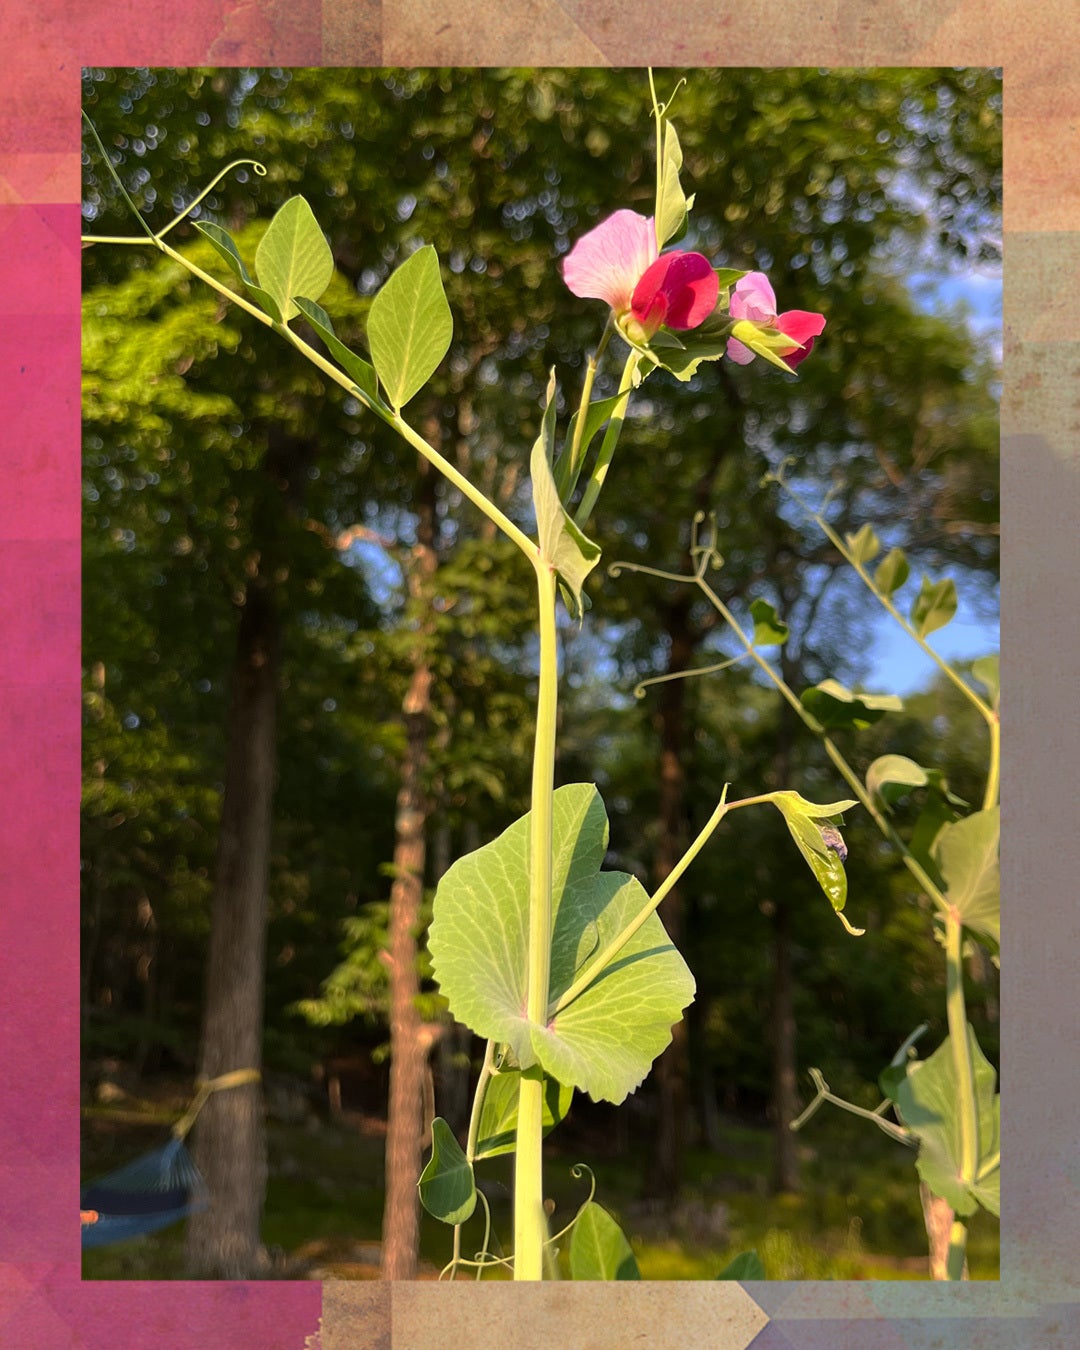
column 43, row 1301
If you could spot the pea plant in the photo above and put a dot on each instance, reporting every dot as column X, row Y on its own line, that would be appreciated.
column 945, row 1106
column 564, row 969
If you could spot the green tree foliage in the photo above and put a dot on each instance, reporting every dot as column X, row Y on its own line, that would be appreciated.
column 841, row 186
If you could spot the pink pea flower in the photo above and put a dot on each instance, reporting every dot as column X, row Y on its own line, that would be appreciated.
column 753, row 303
column 619, row 262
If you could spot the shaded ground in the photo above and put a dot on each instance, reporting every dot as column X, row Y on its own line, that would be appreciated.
column 858, row 1216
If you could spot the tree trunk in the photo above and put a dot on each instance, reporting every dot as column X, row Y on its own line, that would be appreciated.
column 938, row 1217
column 229, row 1143
column 408, row 1043
column 673, row 1067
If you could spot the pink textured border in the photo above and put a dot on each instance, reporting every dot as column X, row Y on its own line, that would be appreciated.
column 43, row 1301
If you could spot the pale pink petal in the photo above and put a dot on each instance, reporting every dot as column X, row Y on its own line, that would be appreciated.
column 739, row 352
column 753, row 298
column 607, row 263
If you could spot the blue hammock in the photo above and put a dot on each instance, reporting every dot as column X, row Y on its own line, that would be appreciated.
column 155, row 1190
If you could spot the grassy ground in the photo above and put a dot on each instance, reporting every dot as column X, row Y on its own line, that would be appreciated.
column 857, row 1217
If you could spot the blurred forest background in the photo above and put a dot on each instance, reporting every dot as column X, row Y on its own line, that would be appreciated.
column 237, row 503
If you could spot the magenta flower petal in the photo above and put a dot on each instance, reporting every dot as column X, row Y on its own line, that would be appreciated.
column 679, row 289
column 607, row 263
column 802, row 325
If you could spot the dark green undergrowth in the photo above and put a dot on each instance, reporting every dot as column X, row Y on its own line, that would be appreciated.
column 856, row 1217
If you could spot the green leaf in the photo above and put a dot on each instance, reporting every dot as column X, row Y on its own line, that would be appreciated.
column 596, row 414
column 225, row 246
column 892, row 572
column 569, row 551
column 835, row 706
column 605, row 1040
column 499, row 1112
column 745, row 1266
column 825, row 863
column 353, row 365
column 447, row 1189
column 932, row 819
column 293, row 257
column 598, row 1247
column 891, row 777
column 985, row 670
column 769, row 628
column 864, row 546
column 410, row 327
column 671, row 205
column 928, row 1102
column 967, row 854
column 683, row 361
column 934, row 606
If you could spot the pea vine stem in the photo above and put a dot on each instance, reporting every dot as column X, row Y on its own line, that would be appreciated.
column 530, row 1222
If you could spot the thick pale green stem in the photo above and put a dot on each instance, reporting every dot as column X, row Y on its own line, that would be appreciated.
column 965, row 1080
column 530, row 1223
column 961, row 1047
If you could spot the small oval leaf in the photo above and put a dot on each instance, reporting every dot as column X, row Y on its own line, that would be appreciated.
column 934, row 606
column 864, row 546
column 769, row 629
column 410, row 326
column 293, row 257
column 892, row 572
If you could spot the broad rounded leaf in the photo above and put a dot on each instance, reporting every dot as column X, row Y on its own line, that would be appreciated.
column 447, row 1189
column 598, row 1247
column 605, row 1041
column 934, row 606
column 928, row 1100
column 410, row 326
column 835, row 706
column 293, row 257
column 967, row 854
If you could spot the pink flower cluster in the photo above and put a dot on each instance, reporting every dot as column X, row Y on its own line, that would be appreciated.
column 619, row 262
